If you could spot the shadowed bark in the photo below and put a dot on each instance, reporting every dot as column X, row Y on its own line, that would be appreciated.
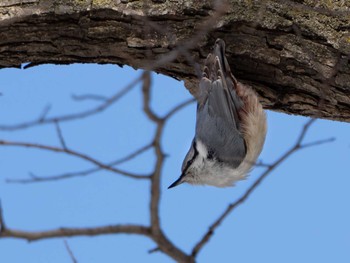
column 294, row 53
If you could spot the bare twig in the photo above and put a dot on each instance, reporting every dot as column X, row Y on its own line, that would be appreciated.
column 146, row 77
column 261, row 164
column 70, row 252
column 69, row 232
column 156, row 249
column 132, row 155
column 35, row 178
column 89, row 97
column 44, row 113
column 73, row 153
column 60, row 135
column 296, row 147
column 303, row 132
column 43, row 120
column 2, row 221
column 178, row 107
column 310, row 144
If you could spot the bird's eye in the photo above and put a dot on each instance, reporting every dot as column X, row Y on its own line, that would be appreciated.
column 210, row 155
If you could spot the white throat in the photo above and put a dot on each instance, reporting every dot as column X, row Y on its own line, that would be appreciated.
column 211, row 172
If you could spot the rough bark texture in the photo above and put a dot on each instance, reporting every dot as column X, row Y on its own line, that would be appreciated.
column 294, row 53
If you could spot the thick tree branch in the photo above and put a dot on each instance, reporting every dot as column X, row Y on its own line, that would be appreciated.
column 294, row 53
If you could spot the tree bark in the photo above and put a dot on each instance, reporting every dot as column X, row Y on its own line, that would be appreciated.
column 294, row 53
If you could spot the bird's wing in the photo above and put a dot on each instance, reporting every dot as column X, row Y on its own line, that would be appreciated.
column 218, row 122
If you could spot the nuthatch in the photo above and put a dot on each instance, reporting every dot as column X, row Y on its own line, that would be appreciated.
column 230, row 127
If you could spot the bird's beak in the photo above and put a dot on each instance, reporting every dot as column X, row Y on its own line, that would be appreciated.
column 177, row 182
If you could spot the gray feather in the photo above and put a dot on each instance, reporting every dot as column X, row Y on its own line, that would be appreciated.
column 218, row 123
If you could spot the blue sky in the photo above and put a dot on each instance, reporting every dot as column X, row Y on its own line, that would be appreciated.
column 299, row 214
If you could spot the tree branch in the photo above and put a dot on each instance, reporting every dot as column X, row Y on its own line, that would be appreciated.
column 146, row 86
column 304, row 45
column 43, row 120
column 70, row 252
column 73, row 153
column 178, row 107
column 60, row 135
column 2, row 221
column 89, row 97
column 44, row 113
column 296, row 147
column 36, row 179
column 164, row 244
column 72, row 232
column 154, row 231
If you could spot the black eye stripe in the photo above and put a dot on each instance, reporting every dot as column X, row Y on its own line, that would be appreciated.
column 188, row 164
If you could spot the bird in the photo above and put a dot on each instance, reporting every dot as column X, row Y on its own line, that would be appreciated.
column 230, row 127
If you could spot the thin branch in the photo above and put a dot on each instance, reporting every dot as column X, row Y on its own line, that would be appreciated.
column 132, row 155
column 71, row 232
column 70, row 252
column 36, row 179
column 261, row 164
column 156, row 249
column 73, row 153
column 178, row 107
column 44, row 113
column 146, row 86
column 2, row 221
column 304, row 131
column 310, row 144
column 296, row 147
column 60, row 135
column 89, row 97
column 43, row 120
